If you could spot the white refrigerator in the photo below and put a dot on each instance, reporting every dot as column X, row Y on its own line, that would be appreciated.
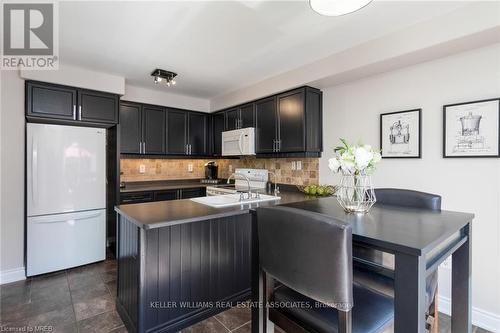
column 65, row 196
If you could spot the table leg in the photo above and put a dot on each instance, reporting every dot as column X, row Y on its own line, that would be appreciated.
column 409, row 294
column 461, row 286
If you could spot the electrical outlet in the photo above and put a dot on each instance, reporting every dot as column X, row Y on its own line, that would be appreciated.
column 294, row 165
column 230, row 168
column 299, row 165
column 142, row 168
column 190, row 167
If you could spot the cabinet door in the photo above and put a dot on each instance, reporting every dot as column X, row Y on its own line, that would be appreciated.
column 314, row 120
column 176, row 132
column 98, row 107
column 130, row 128
column 166, row 195
column 231, row 119
column 265, row 125
column 247, row 116
column 218, row 128
column 51, row 101
column 153, row 130
column 197, row 133
column 291, row 115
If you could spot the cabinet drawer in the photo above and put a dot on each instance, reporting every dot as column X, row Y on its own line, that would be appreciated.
column 136, row 197
column 193, row 192
column 166, row 195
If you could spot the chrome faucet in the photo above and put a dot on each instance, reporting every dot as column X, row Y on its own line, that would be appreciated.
column 249, row 192
column 276, row 190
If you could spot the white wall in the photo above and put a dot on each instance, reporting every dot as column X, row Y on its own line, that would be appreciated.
column 78, row 77
column 12, row 177
column 351, row 111
column 165, row 97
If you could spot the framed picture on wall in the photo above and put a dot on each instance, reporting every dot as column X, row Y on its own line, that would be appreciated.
column 472, row 129
column 400, row 134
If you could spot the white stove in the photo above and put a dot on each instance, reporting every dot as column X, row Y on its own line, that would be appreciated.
column 257, row 179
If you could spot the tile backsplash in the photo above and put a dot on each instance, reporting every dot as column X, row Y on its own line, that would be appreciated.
column 169, row 169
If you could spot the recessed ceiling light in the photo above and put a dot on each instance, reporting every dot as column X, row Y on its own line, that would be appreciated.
column 337, row 7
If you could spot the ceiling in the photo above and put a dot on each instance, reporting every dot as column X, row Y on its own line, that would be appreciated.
column 220, row 46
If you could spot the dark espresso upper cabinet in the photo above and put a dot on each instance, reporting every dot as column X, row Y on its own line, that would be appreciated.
column 247, row 115
column 130, row 128
column 153, row 130
column 314, row 120
column 292, row 122
column 232, row 119
column 265, row 125
column 52, row 101
column 97, row 107
column 240, row 117
column 176, row 132
column 217, row 129
column 288, row 123
column 197, row 134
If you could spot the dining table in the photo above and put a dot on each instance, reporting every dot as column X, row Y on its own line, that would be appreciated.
column 420, row 241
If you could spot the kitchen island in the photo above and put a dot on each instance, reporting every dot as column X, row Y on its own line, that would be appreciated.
column 180, row 262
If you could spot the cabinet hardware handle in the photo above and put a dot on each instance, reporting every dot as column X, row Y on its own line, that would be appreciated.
column 140, row 147
column 274, row 146
column 74, row 111
column 190, row 149
column 144, row 147
column 279, row 145
column 79, row 112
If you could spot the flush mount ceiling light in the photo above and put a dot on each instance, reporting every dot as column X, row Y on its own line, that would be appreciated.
column 337, row 7
column 161, row 75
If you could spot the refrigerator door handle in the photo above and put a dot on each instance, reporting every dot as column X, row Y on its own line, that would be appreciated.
column 66, row 219
column 34, row 170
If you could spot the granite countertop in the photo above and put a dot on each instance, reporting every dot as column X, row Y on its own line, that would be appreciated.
column 165, row 213
column 161, row 185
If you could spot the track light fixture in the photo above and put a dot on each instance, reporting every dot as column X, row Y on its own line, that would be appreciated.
column 161, row 75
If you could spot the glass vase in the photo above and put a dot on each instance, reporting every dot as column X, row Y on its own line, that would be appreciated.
column 356, row 193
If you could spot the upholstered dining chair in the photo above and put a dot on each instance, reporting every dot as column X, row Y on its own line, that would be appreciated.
column 310, row 255
column 375, row 269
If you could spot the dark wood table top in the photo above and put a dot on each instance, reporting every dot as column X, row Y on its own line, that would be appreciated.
column 409, row 230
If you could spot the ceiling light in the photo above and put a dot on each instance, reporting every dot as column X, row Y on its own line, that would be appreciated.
column 337, row 7
column 163, row 75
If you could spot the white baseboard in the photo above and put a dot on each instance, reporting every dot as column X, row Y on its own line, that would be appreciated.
column 484, row 319
column 12, row 275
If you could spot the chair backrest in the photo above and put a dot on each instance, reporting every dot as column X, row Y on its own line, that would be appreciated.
column 408, row 198
column 309, row 252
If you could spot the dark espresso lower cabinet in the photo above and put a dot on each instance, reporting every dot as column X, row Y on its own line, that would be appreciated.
column 172, row 277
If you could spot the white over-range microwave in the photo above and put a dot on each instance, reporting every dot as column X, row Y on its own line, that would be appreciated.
column 238, row 142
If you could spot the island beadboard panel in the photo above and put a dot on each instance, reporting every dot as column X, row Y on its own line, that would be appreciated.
column 170, row 169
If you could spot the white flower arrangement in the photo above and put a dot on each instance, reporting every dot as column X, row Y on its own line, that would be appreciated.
column 354, row 159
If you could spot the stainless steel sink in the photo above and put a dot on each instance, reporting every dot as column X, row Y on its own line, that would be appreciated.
column 227, row 200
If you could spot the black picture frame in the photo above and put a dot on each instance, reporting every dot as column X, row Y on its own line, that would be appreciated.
column 445, row 129
column 419, row 110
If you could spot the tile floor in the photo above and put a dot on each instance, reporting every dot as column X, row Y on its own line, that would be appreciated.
column 82, row 300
